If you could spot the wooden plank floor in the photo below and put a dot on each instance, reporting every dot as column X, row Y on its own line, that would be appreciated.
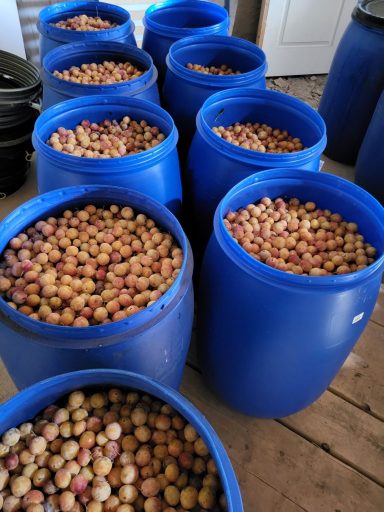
column 327, row 458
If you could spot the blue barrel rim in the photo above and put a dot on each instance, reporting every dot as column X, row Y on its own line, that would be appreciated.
column 235, row 43
column 248, row 156
column 239, row 256
column 60, row 34
column 112, row 164
column 152, row 386
column 176, row 32
column 363, row 15
column 146, row 80
column 135, row 323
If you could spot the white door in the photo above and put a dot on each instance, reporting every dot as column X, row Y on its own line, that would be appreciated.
column 300, row 37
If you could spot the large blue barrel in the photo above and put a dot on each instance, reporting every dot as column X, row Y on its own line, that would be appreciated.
column 270, row 342
column 28, row 403
column 168, row 21
column 215, row 165
column 76, row 54
column 186, row 90
column 154, row 172
column 355, row 82
column 51, row 36
column 153, row 342
column 370, row 161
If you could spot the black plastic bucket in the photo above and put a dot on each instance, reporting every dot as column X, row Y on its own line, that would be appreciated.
column 20, row 89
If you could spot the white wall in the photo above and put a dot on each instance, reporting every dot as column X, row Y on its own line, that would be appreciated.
column 11, row 39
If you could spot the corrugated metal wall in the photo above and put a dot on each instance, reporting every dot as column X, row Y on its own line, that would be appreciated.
column 28, row 14
column 29, row 11
column 136, row 10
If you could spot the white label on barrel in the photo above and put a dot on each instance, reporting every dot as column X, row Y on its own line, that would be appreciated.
column 357, row 318
column 322, row 162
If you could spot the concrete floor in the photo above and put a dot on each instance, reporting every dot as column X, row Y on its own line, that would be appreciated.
column 306, row 88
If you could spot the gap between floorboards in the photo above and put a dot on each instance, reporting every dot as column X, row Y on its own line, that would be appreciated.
column 308, row 439
column 355, row 404
column 329, row 452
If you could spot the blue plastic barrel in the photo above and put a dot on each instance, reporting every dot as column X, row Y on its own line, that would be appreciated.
column 51, row 36
column 154, row 172
column 186, row 90
column 75, row 54
column 355, row 82
column 370, row 161
column 215, row 165
column 271, row 342
column 153, row 342
column 166, row 22
column 28, row 403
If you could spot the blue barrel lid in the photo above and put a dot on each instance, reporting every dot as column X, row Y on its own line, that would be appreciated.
column 370, row 13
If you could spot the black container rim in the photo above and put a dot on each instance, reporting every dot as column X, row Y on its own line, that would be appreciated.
column 15, row 140
column 17, row 133
column 17, row 101
column 18, row 175
column 370, row 13
column 24, row 73
column 10, row 183
column 10, row 121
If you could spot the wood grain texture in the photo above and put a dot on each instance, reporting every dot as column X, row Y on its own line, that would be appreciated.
column 361, row 379
column 349, row 433
column 301, row 471
column 262, row 22
column 259, row 496
column 7, row 387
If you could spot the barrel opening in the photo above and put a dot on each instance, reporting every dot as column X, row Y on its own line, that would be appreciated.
column 97, row 114
column 211, row 54
column 89, row 10
column 351, row 205
column 273, row 113
column 98, row 57
column 187, row 17
column 76, row 204
column 8, row 82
